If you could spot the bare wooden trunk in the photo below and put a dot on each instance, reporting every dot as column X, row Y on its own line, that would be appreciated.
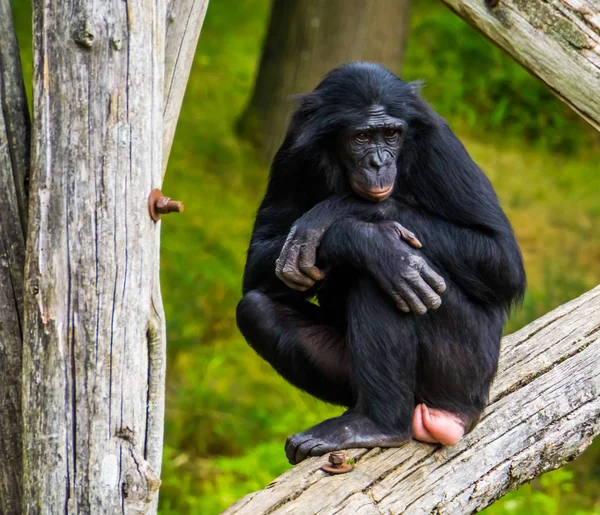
column 14, row 169
column 544, row 411
column 92, row 302
column 558, row 41
column 82, row 332
column 305, row 40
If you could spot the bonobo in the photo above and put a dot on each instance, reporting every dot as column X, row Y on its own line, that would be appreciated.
column 405, row 335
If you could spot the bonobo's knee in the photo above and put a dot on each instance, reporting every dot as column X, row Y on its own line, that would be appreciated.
column 256, row 320
column 247, row 308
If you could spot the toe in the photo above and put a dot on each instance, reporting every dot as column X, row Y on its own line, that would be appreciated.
column 445, row 427
column 291, row 446
column 420, row 432
column 319, row 450
column 304, row 450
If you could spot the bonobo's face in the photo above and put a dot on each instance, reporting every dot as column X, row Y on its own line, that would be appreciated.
column 369, row 153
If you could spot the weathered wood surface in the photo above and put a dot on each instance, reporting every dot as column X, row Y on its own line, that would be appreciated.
column 184, row 23
column 14, row 168
column 14, row 106
column 92, row 258
column 544, row 410
column 558, row 41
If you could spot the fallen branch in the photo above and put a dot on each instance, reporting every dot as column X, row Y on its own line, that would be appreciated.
column 544, row 411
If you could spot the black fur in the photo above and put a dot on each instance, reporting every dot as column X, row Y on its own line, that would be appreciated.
column 357, row 348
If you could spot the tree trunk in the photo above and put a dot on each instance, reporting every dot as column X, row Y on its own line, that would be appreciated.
column 88, row 311
column 305, row 40
column 92, row 257
column 558, row 41
column 544, row 410
column 14, row 170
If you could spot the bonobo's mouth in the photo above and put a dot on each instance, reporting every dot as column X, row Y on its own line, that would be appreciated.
column 375, row 194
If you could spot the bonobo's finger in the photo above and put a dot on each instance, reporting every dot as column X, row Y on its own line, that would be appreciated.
column 402, row 305
column 295, row 286
column 283, row 258
column 397, row 298
column 291, row 276
column 312, row 271
column 306, row 263
column 408, row 236
column 429, row 297
column 290, row 284
column 412, row 299
column 294, row 278
column 288, row 257
column 286, row 267
column 433, row 279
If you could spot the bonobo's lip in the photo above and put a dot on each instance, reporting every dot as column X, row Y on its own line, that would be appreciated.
column 374, row 194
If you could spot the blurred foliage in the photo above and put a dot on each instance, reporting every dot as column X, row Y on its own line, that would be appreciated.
column 228, row 413
column 477, row 85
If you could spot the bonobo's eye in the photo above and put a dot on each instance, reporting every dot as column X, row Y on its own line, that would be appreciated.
column 361, row 138
column 392, row 134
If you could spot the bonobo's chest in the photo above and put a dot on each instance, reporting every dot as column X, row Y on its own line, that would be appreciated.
column 389, row 210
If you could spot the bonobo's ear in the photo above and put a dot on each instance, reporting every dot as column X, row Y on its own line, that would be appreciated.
column 302, row 125
column 307, row 102
column 416, row 87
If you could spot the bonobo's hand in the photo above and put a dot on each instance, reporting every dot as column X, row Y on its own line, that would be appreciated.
column 401, row 272
column 296, row 263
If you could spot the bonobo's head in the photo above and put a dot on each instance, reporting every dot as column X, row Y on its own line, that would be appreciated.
column 358, row 125
column 369, row 152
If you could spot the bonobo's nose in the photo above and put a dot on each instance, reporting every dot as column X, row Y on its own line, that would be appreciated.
column 377, row 160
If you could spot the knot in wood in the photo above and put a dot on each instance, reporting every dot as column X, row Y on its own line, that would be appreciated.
column 84, row 38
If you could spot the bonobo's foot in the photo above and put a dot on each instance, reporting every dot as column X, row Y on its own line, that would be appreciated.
column 349, row 431
column 436, row 426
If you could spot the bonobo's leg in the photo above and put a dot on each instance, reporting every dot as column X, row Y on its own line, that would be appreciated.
column 383, row 353
column 295, row 339
column 458, row 356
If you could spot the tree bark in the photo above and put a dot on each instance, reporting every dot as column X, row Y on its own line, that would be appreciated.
column 92, row 258
column 14, row 170
column 83, row 333
column 305, row 40
column 544, row 410
column 558, row 41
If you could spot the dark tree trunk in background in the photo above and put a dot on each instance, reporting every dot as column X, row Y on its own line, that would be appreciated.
column 306, row 39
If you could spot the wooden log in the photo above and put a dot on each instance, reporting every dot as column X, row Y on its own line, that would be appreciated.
column 92, row 258
column 557, row 41
column 544, row 411
column 14, row 169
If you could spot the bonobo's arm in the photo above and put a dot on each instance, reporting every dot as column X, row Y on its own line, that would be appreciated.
column 483, row 261
column 282, row 253
column 271, row 228
column 378, row 249
column 296, row 265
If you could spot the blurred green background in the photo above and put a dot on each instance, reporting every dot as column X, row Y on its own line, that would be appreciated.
column 228, row 413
